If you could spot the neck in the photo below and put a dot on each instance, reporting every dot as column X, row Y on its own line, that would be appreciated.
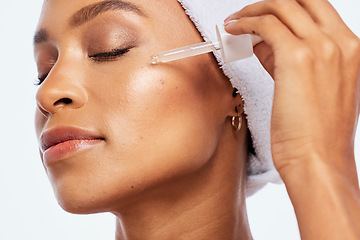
column 207, row 204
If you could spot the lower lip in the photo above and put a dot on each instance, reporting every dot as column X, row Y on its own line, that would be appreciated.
column 64, row 149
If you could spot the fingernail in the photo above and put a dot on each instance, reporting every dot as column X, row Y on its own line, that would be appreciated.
column 230, row 23
column 229, row 17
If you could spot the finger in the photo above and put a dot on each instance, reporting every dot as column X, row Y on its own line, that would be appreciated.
column 289, row 51
column 268, row 27
column 289, row 12
column 322, row 12
column 331, row 24
column 266, row 57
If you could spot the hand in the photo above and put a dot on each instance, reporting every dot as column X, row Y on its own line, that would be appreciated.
column 314, row 59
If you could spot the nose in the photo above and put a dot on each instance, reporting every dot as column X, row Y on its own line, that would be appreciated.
column 61, row 90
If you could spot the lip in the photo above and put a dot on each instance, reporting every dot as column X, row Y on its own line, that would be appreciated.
column 58, row 143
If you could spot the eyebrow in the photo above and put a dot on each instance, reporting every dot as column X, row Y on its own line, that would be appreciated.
column 90, row 12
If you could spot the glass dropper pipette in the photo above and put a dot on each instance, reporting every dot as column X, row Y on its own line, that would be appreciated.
column 184, row 52
column 232, row 48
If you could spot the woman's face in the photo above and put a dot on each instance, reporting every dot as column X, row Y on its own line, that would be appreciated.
column 111, row 126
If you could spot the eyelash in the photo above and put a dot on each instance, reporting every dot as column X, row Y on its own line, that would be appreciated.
column 99, row 57
column 40, row 80
column 109, row 56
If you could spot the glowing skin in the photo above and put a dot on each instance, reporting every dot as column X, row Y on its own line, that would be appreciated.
column 162, row 143
column 154, row 144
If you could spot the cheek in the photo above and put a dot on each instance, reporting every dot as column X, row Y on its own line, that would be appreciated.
column 168, row 121
column 162, row 126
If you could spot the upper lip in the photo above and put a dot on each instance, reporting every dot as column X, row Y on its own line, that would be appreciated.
column 58, row 135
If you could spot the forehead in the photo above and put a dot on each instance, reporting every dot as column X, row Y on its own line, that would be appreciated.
column 66, row 8
column 164, row 20
column 59, row 11
column 75, row 12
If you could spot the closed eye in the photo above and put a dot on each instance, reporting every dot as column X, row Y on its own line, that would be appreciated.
column 99, row 57
column 109, row 56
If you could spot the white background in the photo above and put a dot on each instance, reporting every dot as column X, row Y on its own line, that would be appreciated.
column 28, row 209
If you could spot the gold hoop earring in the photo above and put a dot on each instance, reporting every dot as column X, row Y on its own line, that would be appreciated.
column 236, row 120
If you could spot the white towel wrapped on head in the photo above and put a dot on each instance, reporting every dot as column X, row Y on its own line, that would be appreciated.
column 254, row 84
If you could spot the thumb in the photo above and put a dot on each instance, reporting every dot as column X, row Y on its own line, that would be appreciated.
column 266, row 57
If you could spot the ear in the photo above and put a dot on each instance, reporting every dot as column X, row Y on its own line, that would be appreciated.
column 236, row 105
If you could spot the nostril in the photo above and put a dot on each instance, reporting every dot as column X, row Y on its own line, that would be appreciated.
column 63, row 101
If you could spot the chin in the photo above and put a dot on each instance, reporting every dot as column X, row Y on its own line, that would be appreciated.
column 84, row 195
column 82, row 203
column 90, row 194
column 77, row 202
